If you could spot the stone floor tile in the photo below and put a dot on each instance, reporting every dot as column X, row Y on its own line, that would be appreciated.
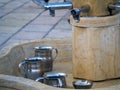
column 46, row 20
column 17, row 19
column 2, row 41
column 28, row 11
column 58, row 13
column 11, row 7
column 2, row 14
column 64, row 24
column 20, row 16
column 59, row 33
column 46, row 14
column 1, row 4
column 61, row 12
column 7, row 29
column 4, row 1
column 15, row 4
column 5, row 11
column 32, row 5
column 28, row 35
column 13, row 22
column 29, row 8
column 23, row 20
column 4, row 37
column 37, row 28
column 12, row 41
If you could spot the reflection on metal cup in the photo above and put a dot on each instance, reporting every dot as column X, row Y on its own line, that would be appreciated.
column 46, row 52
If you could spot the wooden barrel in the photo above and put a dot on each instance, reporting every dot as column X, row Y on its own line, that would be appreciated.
column 98, row 7
column 96, row 47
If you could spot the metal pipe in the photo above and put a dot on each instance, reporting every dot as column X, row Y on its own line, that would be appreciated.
column 58, row 5
column 53, row 6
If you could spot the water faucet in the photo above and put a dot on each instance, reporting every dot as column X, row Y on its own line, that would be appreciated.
column 67, row 5
column 58, row 5
column 115, row 6
column 76, row 12
column 53, row 6
column 63, row 5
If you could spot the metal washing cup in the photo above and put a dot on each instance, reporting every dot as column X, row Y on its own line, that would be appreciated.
column 35, row 67
column 46, row 52
column 55, row 79
column 82, row 84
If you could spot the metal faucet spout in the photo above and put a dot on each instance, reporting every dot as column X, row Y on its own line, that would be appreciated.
column 58, row 5
column 115, row 6
column 76, row 12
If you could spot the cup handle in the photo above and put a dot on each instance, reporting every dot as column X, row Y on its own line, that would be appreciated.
column 56, row 53
column 40, row 79
column 60, row 84
column 22, row 68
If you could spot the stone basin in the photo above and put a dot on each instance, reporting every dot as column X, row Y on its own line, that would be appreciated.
column 11, row 79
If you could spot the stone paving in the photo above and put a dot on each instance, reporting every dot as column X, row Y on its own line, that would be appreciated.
column 22, row 20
